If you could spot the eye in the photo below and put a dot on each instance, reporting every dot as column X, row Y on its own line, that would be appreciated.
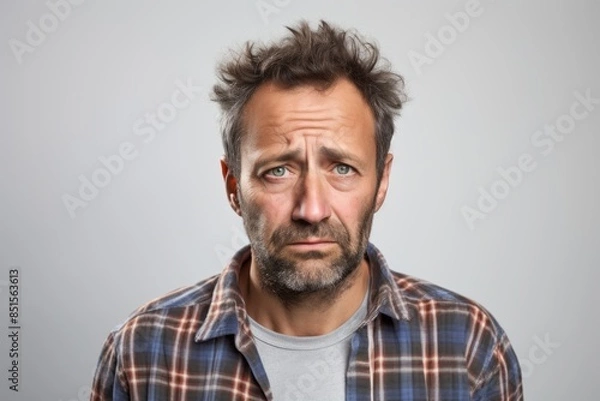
column 343, row 169
column 277, row 171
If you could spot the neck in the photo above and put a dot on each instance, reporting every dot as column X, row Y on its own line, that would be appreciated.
column 307, row 314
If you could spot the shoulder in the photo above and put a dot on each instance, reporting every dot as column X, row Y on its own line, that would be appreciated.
column 417, row 290
column 462, row 329
column 430, row 306
column 458, row 323
column 182, row 308
column 177, row 317
column 190, row 296
column 165, row 327
column 428, row 300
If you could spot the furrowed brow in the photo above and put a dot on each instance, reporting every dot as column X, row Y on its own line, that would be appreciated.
column 294, row 154
column 338, row 154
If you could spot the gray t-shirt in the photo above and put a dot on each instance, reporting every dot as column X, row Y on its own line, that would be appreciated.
column 307, row 368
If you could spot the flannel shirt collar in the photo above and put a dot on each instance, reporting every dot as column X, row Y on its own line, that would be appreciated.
column 227, row 312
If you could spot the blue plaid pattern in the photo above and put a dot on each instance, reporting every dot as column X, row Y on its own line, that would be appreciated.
column 418, row 342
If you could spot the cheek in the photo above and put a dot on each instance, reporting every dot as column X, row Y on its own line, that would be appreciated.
column 349, row 207
column 276, row 213
column 266, row 212
column 352, row 210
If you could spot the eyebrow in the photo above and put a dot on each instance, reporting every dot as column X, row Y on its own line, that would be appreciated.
column 283, row 157
column 295, row 154
column 337, row 154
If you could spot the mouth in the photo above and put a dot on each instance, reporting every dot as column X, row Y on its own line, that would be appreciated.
column 312, row 243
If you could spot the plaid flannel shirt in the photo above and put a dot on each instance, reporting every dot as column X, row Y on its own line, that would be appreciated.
column 418, row 342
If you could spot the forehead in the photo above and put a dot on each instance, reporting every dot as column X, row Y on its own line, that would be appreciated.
column 339, row 114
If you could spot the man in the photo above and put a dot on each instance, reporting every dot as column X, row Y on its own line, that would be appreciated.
column 309, row 310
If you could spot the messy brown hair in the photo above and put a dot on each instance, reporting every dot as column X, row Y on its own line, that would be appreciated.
column 308, row 56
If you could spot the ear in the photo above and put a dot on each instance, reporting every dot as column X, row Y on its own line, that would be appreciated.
column 385, row 181
column 230, row 186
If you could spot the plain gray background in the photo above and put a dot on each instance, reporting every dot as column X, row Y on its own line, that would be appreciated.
column 162, row 222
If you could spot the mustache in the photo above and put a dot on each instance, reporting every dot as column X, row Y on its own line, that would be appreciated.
column 301, row 232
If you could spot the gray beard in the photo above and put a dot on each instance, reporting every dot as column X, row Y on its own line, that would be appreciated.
column 283, row 277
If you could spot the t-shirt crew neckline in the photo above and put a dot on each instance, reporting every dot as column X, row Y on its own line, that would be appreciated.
column 303, row 343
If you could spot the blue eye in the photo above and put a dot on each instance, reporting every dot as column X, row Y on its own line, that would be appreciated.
column 343, row 169
column 277, row 171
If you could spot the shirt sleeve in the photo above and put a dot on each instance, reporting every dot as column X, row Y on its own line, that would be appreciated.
column 108, row 384
column 500, row 378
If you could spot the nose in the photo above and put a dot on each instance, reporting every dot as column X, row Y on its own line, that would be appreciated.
column 312, row 203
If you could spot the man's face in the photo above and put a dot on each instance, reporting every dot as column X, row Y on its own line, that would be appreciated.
column 308, row 185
